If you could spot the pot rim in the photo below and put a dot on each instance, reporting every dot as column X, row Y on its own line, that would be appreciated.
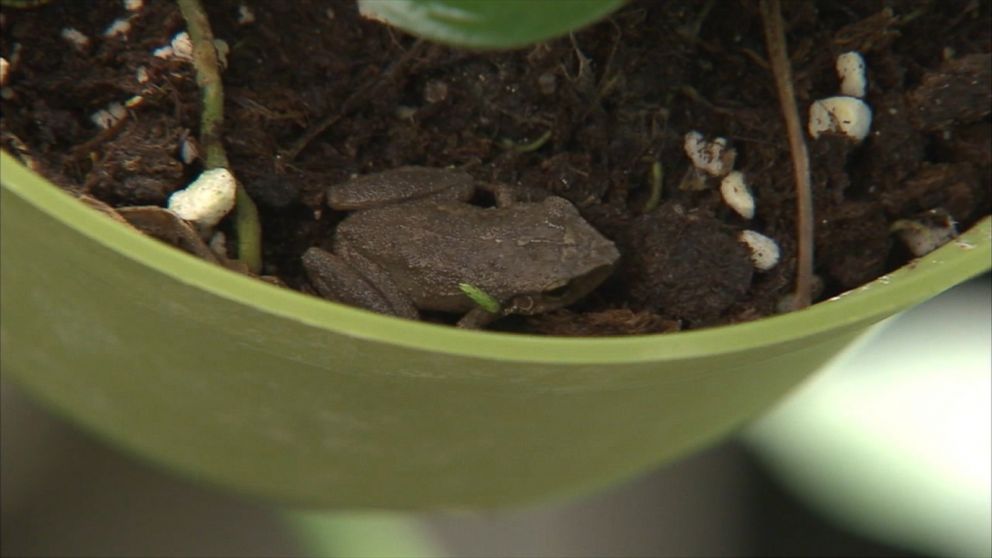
column 953, row 263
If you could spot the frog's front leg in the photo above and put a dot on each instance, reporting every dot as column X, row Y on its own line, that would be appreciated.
column 477, row 318
column 357, row 283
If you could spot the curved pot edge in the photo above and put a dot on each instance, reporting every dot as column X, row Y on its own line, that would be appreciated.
column 957, row 261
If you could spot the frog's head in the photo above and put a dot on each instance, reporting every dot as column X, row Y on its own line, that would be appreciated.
column 574, row 260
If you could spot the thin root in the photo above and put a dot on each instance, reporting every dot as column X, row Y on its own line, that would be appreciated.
column 771, row 13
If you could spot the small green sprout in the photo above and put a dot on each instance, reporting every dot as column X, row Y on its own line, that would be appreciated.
column 657, row 177
column 529, row 146
column 480, row 297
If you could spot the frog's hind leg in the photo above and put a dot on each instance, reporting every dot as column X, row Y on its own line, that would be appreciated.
column 337, row 279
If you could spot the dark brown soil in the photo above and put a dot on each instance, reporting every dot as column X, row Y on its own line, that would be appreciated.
column 611, row 102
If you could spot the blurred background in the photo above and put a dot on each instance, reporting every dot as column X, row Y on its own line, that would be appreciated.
column 886, row 452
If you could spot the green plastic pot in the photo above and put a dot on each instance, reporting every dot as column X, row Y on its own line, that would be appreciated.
column 297, row 400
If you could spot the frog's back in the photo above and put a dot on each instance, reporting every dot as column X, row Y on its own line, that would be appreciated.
column 429, row 249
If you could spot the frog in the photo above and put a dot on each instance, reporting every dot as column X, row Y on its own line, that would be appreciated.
column 412, row 242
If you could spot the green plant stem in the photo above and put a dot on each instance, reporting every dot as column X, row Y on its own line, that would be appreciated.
column 657, row 180
column 771, row 13
column 249, row 230
column 529, row 146
column 247, row 226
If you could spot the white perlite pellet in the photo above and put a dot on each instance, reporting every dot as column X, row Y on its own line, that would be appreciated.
column 182, row 46
column 922, row 239
column 188, row 151
column 4, row 70
column 851, row 71
column 846, row 115
column 715, row 157
column 207, row 199
column 76, row 38
column 737, row 194
column 119, row 28
column 764, row 251
column 245, row 15
column 108, row 117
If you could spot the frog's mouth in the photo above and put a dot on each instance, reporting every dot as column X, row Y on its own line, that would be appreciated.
column 558, row 296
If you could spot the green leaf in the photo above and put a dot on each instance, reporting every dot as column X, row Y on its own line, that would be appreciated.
column 480, row 297
column 23, row 4
column 488, row 24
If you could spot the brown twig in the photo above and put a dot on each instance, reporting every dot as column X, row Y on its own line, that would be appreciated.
column 771, row 13
column 211, row 127
column 354, row 101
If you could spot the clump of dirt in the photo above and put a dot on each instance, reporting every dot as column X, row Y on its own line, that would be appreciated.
column 689, row 266
column 316, row 94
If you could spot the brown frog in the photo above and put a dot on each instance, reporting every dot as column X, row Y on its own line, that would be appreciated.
column 413, row 240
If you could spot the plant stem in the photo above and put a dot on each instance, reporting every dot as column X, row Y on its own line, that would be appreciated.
column 654, row 196
column 247, row 226
column 771, row 13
